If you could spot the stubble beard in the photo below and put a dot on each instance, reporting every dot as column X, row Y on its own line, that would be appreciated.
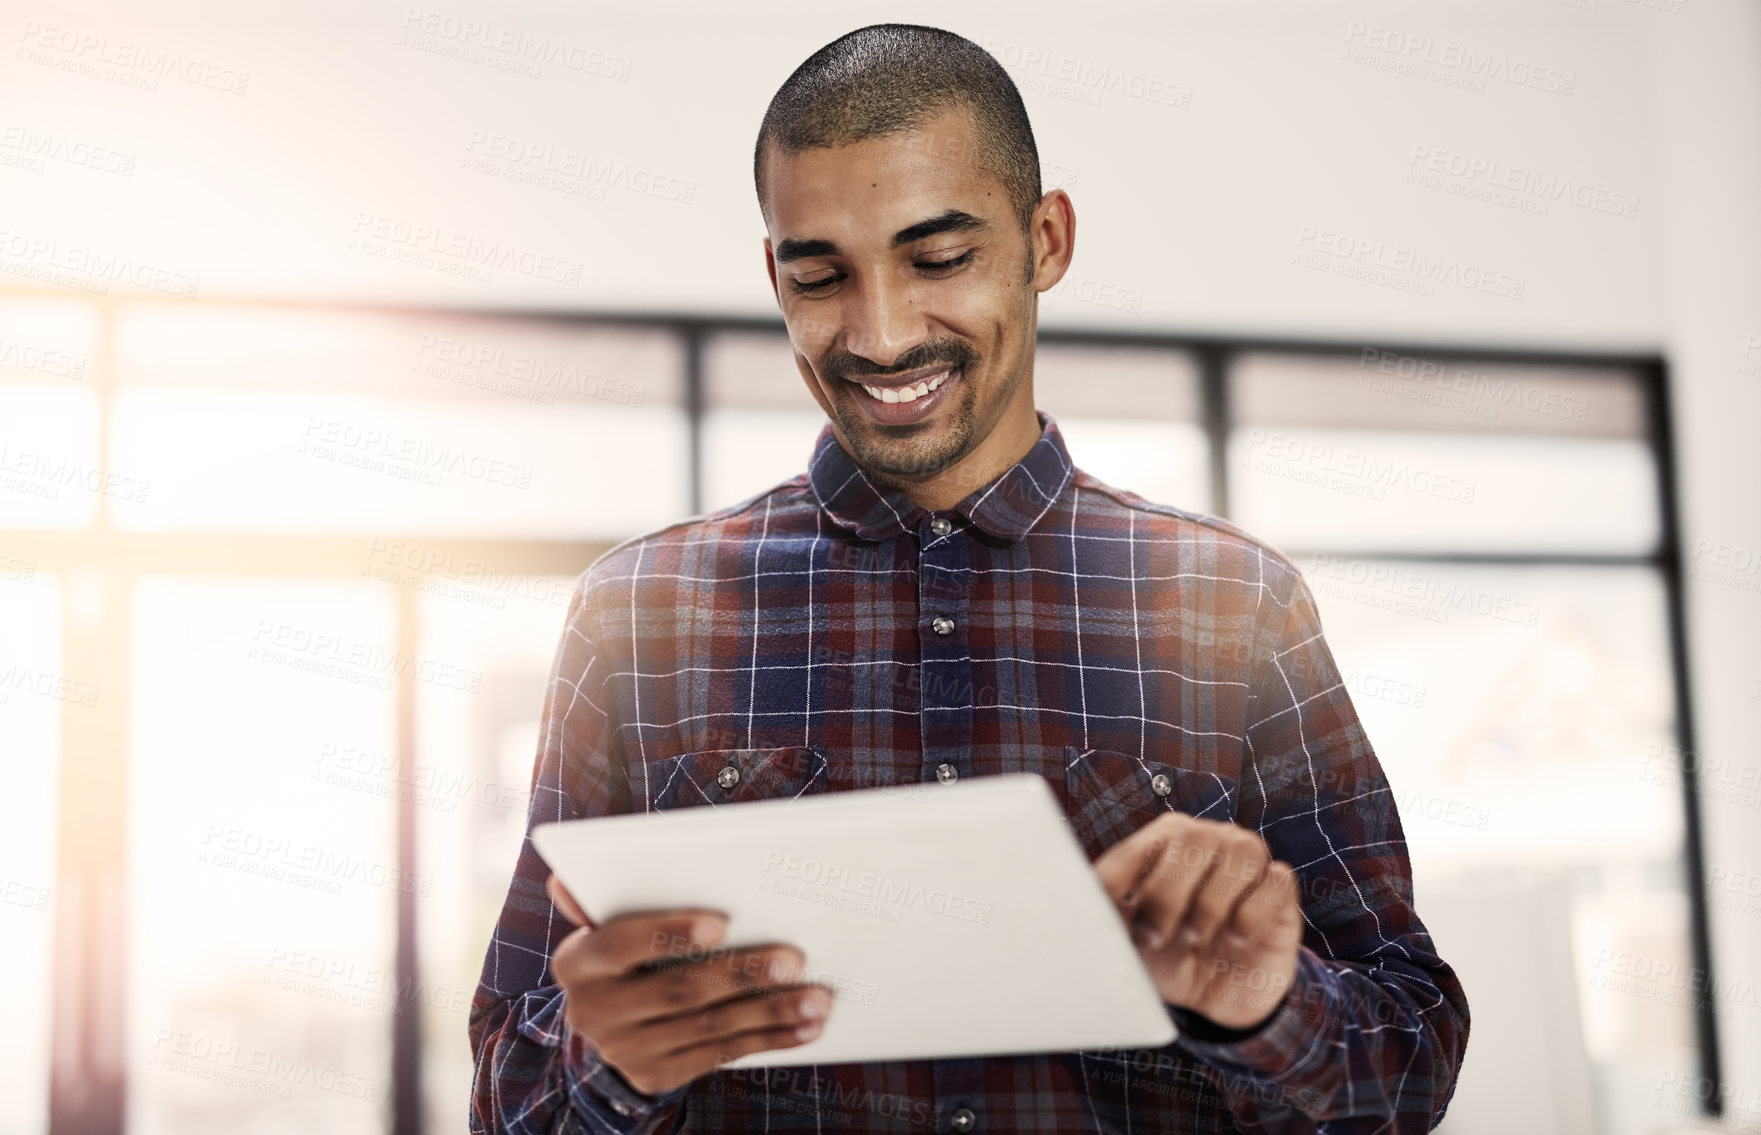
column 896, row 455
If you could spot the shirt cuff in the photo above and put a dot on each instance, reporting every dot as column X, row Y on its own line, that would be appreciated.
column 1281, row 1046
column 592, row 1085
column 585, row 1068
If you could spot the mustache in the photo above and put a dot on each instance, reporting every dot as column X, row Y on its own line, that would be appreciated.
column 945, row 352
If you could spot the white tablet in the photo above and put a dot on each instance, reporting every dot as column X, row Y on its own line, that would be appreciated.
column 949, row 920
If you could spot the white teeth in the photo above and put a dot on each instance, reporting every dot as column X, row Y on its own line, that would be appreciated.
column 905, row 393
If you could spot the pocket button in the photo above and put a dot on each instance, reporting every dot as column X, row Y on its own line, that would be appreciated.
column 1160, row 784
column 728, row 776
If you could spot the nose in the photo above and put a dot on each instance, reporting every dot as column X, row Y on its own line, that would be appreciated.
column 883, row 320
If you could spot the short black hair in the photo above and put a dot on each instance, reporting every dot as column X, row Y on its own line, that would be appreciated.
column 886, row 79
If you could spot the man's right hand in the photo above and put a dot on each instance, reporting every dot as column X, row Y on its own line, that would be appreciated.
column 661, row 1029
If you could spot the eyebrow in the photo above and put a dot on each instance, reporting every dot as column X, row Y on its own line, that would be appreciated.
column 954, row 220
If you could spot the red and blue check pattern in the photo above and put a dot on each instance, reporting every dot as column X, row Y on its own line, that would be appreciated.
column 827, row 636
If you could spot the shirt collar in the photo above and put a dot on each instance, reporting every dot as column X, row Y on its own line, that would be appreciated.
column 1006, row 508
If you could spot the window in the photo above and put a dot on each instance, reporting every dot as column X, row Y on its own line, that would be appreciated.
column 312, row 564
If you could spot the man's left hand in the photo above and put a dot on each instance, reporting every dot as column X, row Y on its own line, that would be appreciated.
column 1216, row 919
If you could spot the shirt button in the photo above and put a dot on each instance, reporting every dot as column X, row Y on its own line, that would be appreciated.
column 1160, row 784
column 619, row 1108
column 728, row 777
column 963, row 1119
column 942, row 625
column 941, row 526
column 947, row 773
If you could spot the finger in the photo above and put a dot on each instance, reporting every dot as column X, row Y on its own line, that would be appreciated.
column 1270, row 911
column 620, row 945
column 798, row 1008
column 1240, row 861
column 565, row 902
column 1160, row 905
column 644, row 997
column 1122, row 867
column 692, row 1063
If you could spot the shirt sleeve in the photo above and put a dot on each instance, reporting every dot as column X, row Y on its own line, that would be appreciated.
column 1371, row 1034
column 533, row 1074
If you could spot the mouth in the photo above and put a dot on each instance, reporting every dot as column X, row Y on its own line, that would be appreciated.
column 906, row 398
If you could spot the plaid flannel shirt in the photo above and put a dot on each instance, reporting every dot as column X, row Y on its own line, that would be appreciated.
column 826, row 636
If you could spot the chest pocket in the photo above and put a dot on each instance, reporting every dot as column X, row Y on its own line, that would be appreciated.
column 733, row 776
column 1111, row 795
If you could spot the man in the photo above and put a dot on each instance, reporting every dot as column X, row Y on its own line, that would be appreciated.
column 943, row 595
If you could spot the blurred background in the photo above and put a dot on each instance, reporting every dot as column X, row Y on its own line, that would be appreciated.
column 337, row 339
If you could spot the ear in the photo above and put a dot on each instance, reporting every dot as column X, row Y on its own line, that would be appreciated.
column 1052, row 239
column 770, row 266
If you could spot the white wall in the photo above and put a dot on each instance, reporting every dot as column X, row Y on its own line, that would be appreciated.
column 1195, row 209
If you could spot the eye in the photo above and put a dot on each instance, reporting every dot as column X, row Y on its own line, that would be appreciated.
column 809, row 287
column 943, row 267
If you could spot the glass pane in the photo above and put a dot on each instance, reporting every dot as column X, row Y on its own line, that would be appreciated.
column 553, row 362
column 49, row 475
column 1385, row 491
column 759, row 422
column 47, row 338
column 266, row 420
column 1378, row 450
column 32, row 700
column 1382, row 389
column 1520, row 713
column 1130, row 417
column 263, row 886
column 471, row 788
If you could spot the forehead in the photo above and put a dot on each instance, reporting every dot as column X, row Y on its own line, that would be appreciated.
column 872, row 188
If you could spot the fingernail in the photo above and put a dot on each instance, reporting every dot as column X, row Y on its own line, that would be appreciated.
column 808, row 1031
column 1189, row 936
column 707, row 931
column 813, row 1006
column 781, row 969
